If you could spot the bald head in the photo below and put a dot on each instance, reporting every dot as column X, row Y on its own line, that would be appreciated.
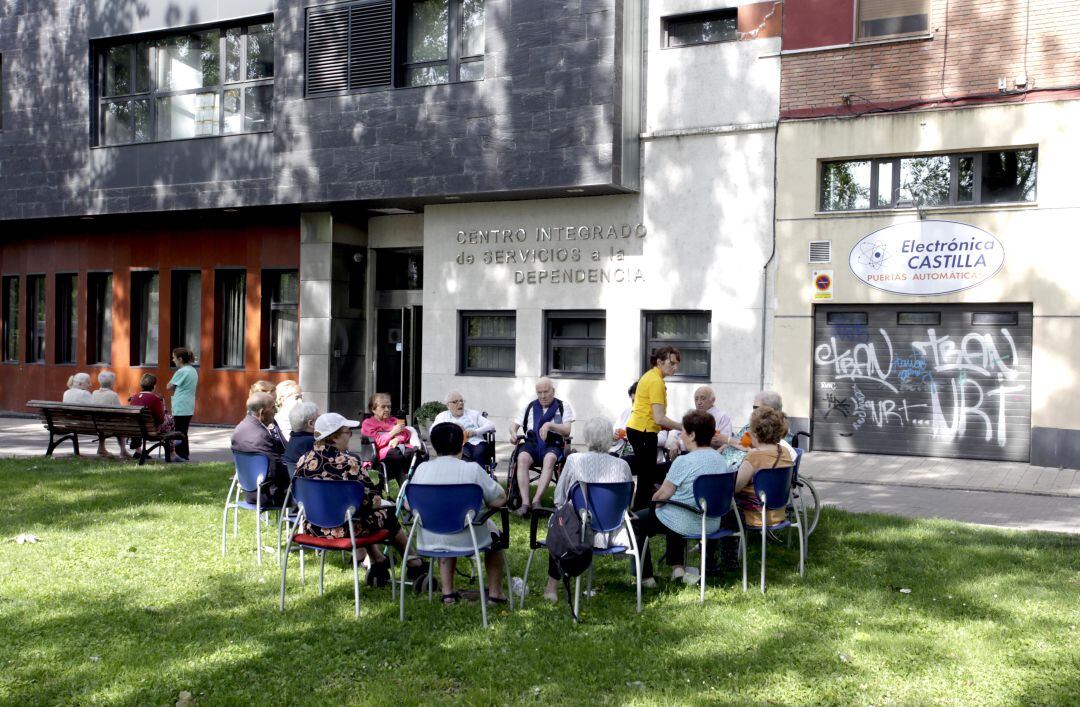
column 704, row 398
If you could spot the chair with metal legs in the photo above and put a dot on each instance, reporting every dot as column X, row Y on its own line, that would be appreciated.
column 329, row 503
column 773, row 488
column 250, row 472
column 715, row 496
column 447, row 509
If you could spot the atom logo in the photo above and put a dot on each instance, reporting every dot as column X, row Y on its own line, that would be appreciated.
column 873, row 254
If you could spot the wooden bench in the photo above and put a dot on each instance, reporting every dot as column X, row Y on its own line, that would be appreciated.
column 67, row 421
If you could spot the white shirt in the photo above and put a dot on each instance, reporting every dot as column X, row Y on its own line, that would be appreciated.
column 475, row 424
column 723, row 425
column 451, row 470
column 78, row 396
column 105, row 396
column 567, row 416
column 282, row 416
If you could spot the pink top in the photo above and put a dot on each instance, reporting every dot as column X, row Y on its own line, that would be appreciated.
column 379, row 430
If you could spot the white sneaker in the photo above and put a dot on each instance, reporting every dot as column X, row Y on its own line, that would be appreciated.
column 677, row 574
column 649, row 583
column 692, row 576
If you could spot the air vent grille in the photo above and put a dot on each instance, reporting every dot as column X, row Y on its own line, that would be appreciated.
column 820, row 252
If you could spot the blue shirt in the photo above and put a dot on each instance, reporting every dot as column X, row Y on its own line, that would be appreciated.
column 183, row 398
column 682, row 473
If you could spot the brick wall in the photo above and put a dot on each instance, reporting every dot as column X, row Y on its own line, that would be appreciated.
column 980, row 41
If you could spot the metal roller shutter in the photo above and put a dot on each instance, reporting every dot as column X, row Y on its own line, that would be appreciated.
column 922, row 380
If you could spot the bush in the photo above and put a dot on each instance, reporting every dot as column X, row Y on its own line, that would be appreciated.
column 427, row 412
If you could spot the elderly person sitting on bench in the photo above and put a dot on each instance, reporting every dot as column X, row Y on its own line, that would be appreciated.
column 106, row 395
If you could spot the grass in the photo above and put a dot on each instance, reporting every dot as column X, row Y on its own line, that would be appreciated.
column 125, row 599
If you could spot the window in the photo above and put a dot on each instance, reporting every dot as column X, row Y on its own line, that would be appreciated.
column 444, row 42
column 229, row 305
column 216, row 81
column 930, row 180
column 686, row 331
column 891, row 18
column 918, row 318
column 846, row 318
column 67, row 317
column 280, row 326
column 99, row 318
column 399, row 269
column 186, row 311
column 10, row 297
column 487, row 343
column 35, row 319
column 995, row 318
column 575, row 343
column 352, row 47
column 701, row 28
column 144, row 318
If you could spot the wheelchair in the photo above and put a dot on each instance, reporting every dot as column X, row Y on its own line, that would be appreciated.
column 513, row 494
column 370, row 462
column 804, row 497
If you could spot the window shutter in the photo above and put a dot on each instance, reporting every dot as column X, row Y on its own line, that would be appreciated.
column 881, row 9
column 327, row 51
column 820, row 252
column 371, row 55
column 350, row 47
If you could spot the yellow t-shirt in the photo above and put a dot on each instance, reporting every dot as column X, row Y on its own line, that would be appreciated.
column 650, row 391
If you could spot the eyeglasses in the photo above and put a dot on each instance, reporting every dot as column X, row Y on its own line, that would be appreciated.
column 756, row 407
column 455, row 402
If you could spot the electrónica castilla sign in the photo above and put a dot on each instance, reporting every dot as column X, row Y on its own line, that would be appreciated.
column 927, row 257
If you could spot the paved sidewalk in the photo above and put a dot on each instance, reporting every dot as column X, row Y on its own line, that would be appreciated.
column 1003, row 494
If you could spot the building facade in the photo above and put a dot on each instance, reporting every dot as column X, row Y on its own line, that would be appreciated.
column 383, row 195
column 923, row 218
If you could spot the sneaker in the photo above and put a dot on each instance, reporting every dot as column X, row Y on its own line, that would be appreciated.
column 177, row 459
column 677, row 574
column 649, row 583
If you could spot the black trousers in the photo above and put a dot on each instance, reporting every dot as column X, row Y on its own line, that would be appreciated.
column 181, row 422
column 397, row 462
column 644, row 465
column 648, row 525
column 476, row 452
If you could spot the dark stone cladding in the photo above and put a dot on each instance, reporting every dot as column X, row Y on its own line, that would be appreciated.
column 546, row 117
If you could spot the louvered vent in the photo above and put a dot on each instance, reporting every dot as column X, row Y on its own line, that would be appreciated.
column 820, row 252
column 371, row 60
column 350, row 47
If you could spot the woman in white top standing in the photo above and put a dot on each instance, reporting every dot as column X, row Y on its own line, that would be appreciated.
column 475, row 426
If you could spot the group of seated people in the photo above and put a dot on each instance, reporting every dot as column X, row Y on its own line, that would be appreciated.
column 317, row 446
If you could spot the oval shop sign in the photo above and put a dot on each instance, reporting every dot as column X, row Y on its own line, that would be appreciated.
column 927, row 257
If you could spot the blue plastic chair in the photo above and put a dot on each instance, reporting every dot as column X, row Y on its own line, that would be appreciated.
column 328, row 503
column 773, row 488
column 607, row 510
column 250, row 471
column 447, row 509
column 715, row 497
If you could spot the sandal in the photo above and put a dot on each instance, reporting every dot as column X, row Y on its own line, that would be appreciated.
column 378, row 574
column 496, row 600
column 451, row 599
column 523, row 510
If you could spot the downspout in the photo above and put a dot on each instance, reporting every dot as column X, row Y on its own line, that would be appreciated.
column 772, row 254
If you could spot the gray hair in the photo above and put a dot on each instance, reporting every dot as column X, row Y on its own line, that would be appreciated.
column 257, row 401
column 301, row 414
column 106, row 379
column 770, row 398
column 451, row 394
column 596, row 433
column 79, row 379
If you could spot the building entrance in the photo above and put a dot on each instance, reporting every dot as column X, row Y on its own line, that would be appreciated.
column 398, row 326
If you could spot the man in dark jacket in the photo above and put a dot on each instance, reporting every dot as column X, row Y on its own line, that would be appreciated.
column 253, row 435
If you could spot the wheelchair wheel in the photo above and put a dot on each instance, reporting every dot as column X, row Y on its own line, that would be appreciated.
column 513, row 494
column 808, row 499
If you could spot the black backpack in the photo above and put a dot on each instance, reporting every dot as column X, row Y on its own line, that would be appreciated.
column 571, row 549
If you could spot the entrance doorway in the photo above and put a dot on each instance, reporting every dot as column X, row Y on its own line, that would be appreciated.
column 398, row 326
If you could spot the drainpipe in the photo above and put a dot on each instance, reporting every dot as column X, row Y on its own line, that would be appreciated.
column 772, row 254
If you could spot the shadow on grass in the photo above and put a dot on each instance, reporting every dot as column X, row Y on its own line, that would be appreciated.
column 91, row 617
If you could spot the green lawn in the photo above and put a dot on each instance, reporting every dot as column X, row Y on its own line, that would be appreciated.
column 125, row 598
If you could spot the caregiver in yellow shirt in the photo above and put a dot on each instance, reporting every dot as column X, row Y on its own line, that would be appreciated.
column 648, row 417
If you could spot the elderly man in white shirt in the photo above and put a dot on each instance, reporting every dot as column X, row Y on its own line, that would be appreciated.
column 473, row 422
column 704, row 401
column 542, row 430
